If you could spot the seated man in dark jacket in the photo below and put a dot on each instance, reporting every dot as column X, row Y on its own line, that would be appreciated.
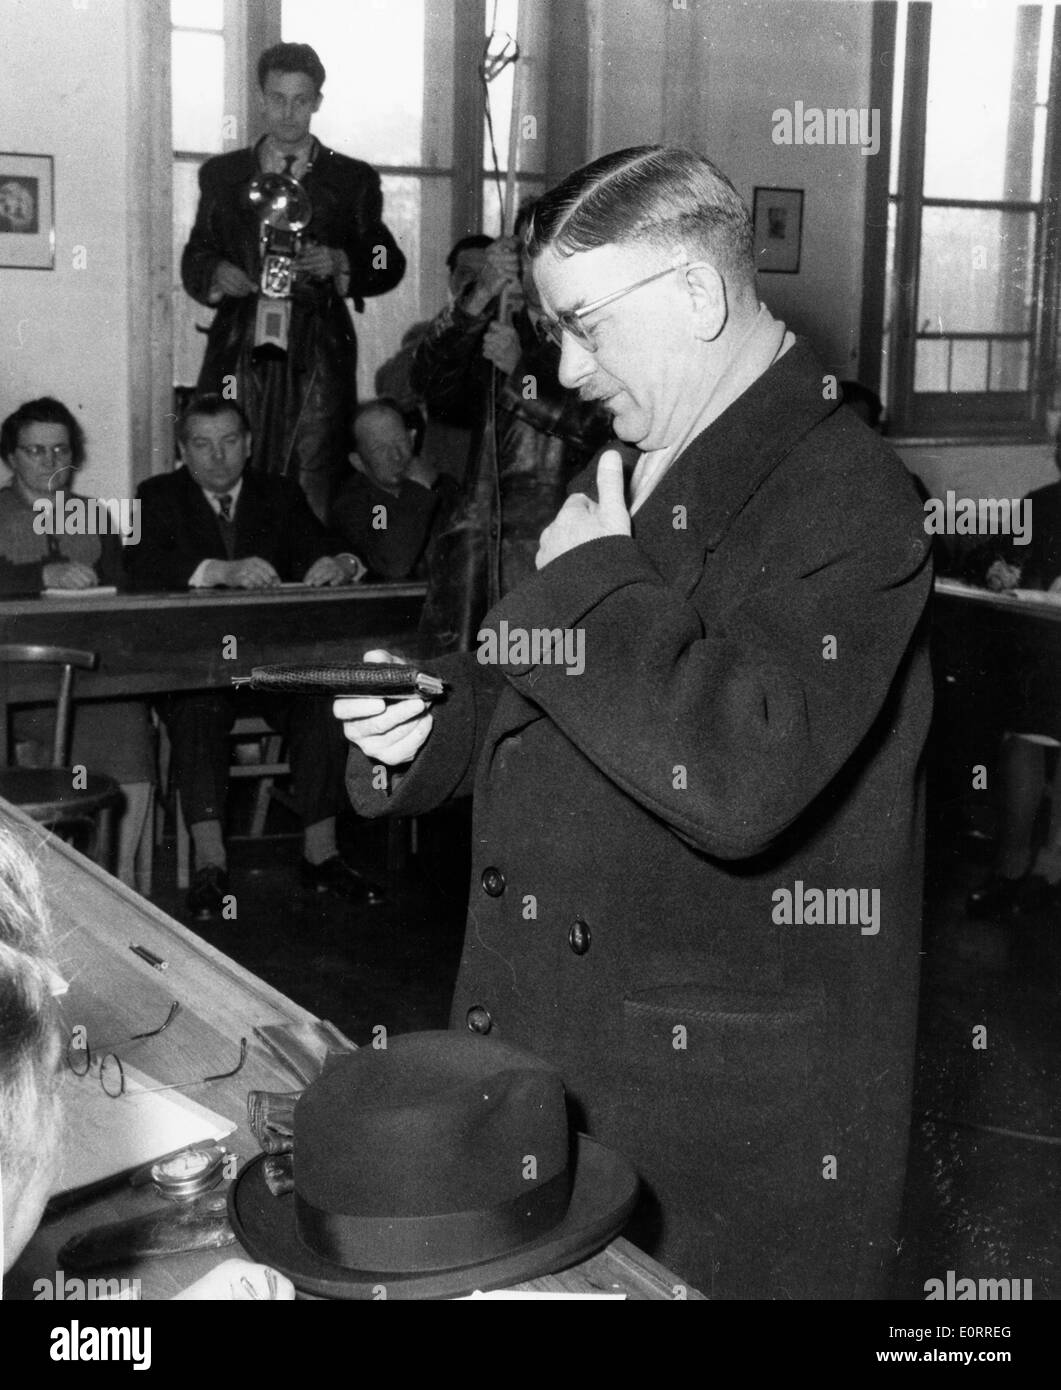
column 386, row 512
column 212, row 524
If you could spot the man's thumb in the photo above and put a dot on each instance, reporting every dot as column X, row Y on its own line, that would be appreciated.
column 611, row 492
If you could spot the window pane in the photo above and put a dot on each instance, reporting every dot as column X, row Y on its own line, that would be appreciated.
column 1009, row 367
column 930, row 370
column 969, row 366
column 198, row 91
column 981, row 63
column 188, row 344
column 976, row 270
column 373, row 54
column 197, row 14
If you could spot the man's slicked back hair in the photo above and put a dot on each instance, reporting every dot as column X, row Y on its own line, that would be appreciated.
column 656, row 195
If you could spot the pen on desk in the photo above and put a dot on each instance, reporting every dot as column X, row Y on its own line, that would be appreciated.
column 156, row 961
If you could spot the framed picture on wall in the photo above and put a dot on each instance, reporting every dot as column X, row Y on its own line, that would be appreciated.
column 777, row 218
column 27, row 212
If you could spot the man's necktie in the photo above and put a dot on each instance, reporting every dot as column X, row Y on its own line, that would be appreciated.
column 289, row 160
column 224, row 517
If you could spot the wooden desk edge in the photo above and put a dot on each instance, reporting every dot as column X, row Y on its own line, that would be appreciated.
column 620, row 1267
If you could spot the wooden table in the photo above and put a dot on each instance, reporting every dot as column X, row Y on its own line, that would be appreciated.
column 151, row 643
column 95, row 919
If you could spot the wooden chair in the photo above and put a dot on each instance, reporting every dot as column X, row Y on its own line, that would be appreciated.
column 55, row 796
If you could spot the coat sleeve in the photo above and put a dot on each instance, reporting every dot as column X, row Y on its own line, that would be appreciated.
column 305, row 540
column 444, row 768
column 446, row 364
column 204, row 250
column 724, row 727
column 162, row 561
column 110, row 567
column 20, row 578
column 377, row 263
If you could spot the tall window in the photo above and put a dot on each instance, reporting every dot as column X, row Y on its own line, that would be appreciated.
column 208, row 109
column 970, row 333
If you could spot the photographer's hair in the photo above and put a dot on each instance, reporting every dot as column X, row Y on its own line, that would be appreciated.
column 45, row 411
column 29, row 1019
column 291, row 57
column 209, row 405
column 670, row 199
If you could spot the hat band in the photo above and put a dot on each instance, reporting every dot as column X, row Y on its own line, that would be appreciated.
column 411, row 1244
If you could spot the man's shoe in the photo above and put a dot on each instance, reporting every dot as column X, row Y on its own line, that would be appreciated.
column 336, row 876
column 208, row 892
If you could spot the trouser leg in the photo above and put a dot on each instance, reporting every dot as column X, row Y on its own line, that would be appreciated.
column 198, row 726
column 316, row 751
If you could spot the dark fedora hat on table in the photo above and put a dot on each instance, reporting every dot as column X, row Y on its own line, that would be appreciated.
column 438, row 1165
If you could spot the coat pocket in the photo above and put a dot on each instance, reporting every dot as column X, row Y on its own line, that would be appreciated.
column 733, row 1036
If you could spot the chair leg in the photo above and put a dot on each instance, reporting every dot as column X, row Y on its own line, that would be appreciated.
column 270, row 749
column 184, row 844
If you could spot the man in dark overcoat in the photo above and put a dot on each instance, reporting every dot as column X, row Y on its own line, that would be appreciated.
column 695, row 740
column 300, row 402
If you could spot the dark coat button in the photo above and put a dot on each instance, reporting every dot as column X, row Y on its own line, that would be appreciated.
column 578, row 938
column 493, row 882
column 479, row 1020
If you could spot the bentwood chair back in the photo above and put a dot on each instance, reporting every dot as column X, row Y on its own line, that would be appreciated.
column 59, row 797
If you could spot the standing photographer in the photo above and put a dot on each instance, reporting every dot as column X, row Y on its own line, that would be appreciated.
column 299, row 401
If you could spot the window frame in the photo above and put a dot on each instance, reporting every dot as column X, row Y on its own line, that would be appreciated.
column 967, row 416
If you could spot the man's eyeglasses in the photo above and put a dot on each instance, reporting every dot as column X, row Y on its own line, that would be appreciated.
column 60, row 453
column 570, row 321
column 107, row 1065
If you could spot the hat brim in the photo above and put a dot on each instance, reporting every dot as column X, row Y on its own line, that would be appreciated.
column 602, row 1197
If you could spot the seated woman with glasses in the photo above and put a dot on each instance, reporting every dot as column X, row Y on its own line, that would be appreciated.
column 43, row 445
column 32, row 1080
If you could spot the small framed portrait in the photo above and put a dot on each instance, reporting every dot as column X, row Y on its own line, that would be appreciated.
column 27, row 212
column 777, row 218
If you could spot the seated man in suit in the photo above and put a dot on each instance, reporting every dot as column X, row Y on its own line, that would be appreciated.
column 388, row 510
column 210, row 524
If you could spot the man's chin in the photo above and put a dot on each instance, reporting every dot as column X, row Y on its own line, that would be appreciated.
column 626, row 426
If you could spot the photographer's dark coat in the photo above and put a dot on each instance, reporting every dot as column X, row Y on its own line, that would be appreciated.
column 300, row 406
column 751, row 719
